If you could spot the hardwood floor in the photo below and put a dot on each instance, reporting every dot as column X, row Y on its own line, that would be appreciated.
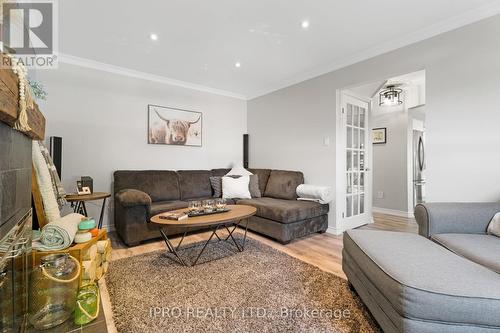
column 321, row 250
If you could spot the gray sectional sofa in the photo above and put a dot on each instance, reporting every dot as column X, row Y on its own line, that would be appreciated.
column 447, row 279
column 139, row 195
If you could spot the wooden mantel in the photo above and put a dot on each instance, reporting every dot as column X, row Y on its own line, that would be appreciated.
column 9, row 105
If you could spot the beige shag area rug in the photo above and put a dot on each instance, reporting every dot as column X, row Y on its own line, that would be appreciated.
column 258, row 290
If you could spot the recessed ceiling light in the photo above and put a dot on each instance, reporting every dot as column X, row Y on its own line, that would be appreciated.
column 305, row 24
column 237, row 65
column 153, row 36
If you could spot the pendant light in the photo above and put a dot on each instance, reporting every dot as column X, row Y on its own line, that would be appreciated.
column 390, row 96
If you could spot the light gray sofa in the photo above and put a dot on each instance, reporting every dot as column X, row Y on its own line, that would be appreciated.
column 447, row 279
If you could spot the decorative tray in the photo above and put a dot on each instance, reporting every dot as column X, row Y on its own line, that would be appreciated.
column 202, row 213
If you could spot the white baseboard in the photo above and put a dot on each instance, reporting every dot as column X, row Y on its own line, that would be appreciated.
column 334, row 231
column 394, row 212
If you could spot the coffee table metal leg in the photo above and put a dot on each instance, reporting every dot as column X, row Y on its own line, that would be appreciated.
column 170, row 247
column 179, row 245
column 231, row 236
column 206, row 243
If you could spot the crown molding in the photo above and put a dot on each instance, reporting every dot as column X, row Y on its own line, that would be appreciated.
column 452, row 23
column 92, row 64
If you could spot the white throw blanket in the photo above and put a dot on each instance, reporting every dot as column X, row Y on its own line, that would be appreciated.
column 321, row 194
column 59, row 234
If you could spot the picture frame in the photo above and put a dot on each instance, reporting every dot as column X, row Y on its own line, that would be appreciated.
column 174, row 126
column 379, row 135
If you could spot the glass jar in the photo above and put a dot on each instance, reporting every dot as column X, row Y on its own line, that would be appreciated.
column 87, row 304
column 54, row 285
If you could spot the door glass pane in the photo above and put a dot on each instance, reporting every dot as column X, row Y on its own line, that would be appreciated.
column 349, row 161
column 361, row 204
column 355, row 160
column 349, row 114
column 362, row 114
column 349, row 137
column 355, row 134
column 361, row 139
column 355, row 116
column 362, row 182
column 355, row 210
column 361, row 160
column 348, row 210
column 355, row 182
column 349, row 183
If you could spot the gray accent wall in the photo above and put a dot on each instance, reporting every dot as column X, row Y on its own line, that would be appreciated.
column 287, row 127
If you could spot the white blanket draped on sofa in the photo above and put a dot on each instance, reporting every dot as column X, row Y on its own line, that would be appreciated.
column 321, row 194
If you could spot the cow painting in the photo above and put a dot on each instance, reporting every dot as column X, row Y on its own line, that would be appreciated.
column 174, row 127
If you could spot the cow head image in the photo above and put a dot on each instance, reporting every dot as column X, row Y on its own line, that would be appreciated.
column 176, row 131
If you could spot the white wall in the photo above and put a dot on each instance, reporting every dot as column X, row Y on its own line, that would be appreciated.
column 102, row 118
column 287, row 127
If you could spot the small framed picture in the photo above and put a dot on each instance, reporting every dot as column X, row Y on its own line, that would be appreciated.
column 379, row 135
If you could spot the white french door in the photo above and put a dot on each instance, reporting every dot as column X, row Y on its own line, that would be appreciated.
column 354, row 178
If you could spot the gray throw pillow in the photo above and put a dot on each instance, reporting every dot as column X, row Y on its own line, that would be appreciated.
column 216, row 183
column 254, row 186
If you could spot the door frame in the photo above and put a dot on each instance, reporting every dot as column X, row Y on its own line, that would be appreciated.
column 341, row 224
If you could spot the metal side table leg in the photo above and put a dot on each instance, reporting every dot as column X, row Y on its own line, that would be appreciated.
column 102, row 212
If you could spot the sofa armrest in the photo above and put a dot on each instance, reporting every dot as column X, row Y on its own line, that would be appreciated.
column 132, row 198
column 463, row 218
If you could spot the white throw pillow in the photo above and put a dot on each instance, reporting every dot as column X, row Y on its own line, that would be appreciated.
column 239, row 170
column 494, row 226
column 236, row 187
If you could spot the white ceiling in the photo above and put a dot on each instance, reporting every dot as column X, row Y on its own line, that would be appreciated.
column 199, row 41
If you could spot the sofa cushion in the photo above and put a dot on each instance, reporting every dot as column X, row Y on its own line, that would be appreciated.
column 159, row 185
column 263, row 178
column 283, row 184
column 422, row 280
column 166, row 206
column 194, row 183
column 285, row 211
column 482, row 249
column 219, row 172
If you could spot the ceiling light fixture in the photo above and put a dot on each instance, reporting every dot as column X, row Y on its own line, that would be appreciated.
column 153, row 36
column 390, row 96
column 237, row 65
column 305, row 24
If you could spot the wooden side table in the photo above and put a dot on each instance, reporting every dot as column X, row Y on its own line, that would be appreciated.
column 79, row 202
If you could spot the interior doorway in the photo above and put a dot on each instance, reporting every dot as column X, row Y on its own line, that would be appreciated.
column 391, row 176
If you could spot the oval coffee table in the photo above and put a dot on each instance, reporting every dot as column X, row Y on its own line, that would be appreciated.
column 214, row 222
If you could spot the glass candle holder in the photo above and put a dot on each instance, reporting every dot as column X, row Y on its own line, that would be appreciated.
column 220, row 204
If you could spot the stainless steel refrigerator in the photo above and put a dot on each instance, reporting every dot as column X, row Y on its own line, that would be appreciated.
column 418, row 167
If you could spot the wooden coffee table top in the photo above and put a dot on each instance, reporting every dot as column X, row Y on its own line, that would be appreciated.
column 236, row 213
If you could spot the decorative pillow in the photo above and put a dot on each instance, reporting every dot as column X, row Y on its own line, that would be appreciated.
column 494, row 226
column 254, row 187
column 216, row 183
column 239, row 170
column 236, row 188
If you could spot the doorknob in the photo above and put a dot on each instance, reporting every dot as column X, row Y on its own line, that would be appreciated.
column 367, row 169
